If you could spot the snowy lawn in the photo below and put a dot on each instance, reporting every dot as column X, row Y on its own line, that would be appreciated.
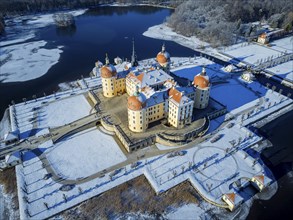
column 284, row 44
column 188, row 68
column 232, row 94
column 63, row 111
column 84, row 154
column 34, row 115
column 251, row 53
column 284, row 70
column 75, row 158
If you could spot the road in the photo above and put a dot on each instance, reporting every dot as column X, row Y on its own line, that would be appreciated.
column 54, row 135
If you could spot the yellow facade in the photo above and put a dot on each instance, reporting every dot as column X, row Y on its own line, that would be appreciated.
column 258, row 184
column 155, row 112
column 131, row 86
column 108, row 85
column 229, row 203
column 120, row 85
column 137, row 120
column 113, row 86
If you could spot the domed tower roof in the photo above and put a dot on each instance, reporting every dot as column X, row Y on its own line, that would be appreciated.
column 136, row 102
column 108, row 70
column 201, row 80
column 163, row 56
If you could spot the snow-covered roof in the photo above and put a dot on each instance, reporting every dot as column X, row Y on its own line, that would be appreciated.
column 10, row 136
column 153, row 77
column 185, row 90
column 156, row 98
column 230, row 68
column 10, row 158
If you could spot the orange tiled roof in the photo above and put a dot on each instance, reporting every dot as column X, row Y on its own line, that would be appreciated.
column 161, row 58
column 260, row 178
column 140, row 77
column 263, row 35
column 176, row 95
column 231, row 197
column 107, row 72
column 135, row 103
column 200, row 81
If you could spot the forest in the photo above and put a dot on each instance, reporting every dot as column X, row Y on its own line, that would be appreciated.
column 22, row 7
column 213, row 21
column 219, row 21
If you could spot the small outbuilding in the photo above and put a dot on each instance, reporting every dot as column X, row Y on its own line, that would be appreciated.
column 260, row 182
column 232, row 200
column 263, row 38
column 13, row 159
column 248, row 77
column 10, row 137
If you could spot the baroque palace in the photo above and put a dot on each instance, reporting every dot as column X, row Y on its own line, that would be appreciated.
column 153, row 93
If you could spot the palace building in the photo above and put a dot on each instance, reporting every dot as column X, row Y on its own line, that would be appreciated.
column 154, row 94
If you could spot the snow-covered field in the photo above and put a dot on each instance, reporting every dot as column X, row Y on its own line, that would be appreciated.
column 22, row 57
column 187, row 212
column 251, row 53
column 85, row 154
column 232, row 94
column 50, row 111
column 284, row 44
column 63, row 111
column 81, row 157
column 284, row 70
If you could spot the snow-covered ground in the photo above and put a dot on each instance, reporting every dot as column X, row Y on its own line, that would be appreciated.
column 211, row 159
column 187, row 212
column 22, row 57
column 163, row 32
column 162, row 172
column 284, row 44
column 205, row 165
column 284, row 70
column 50, row 111
column 63, row 111
column 84, row 154
column 251, row 53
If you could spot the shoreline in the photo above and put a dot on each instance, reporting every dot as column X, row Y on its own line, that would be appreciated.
column 266, row 123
